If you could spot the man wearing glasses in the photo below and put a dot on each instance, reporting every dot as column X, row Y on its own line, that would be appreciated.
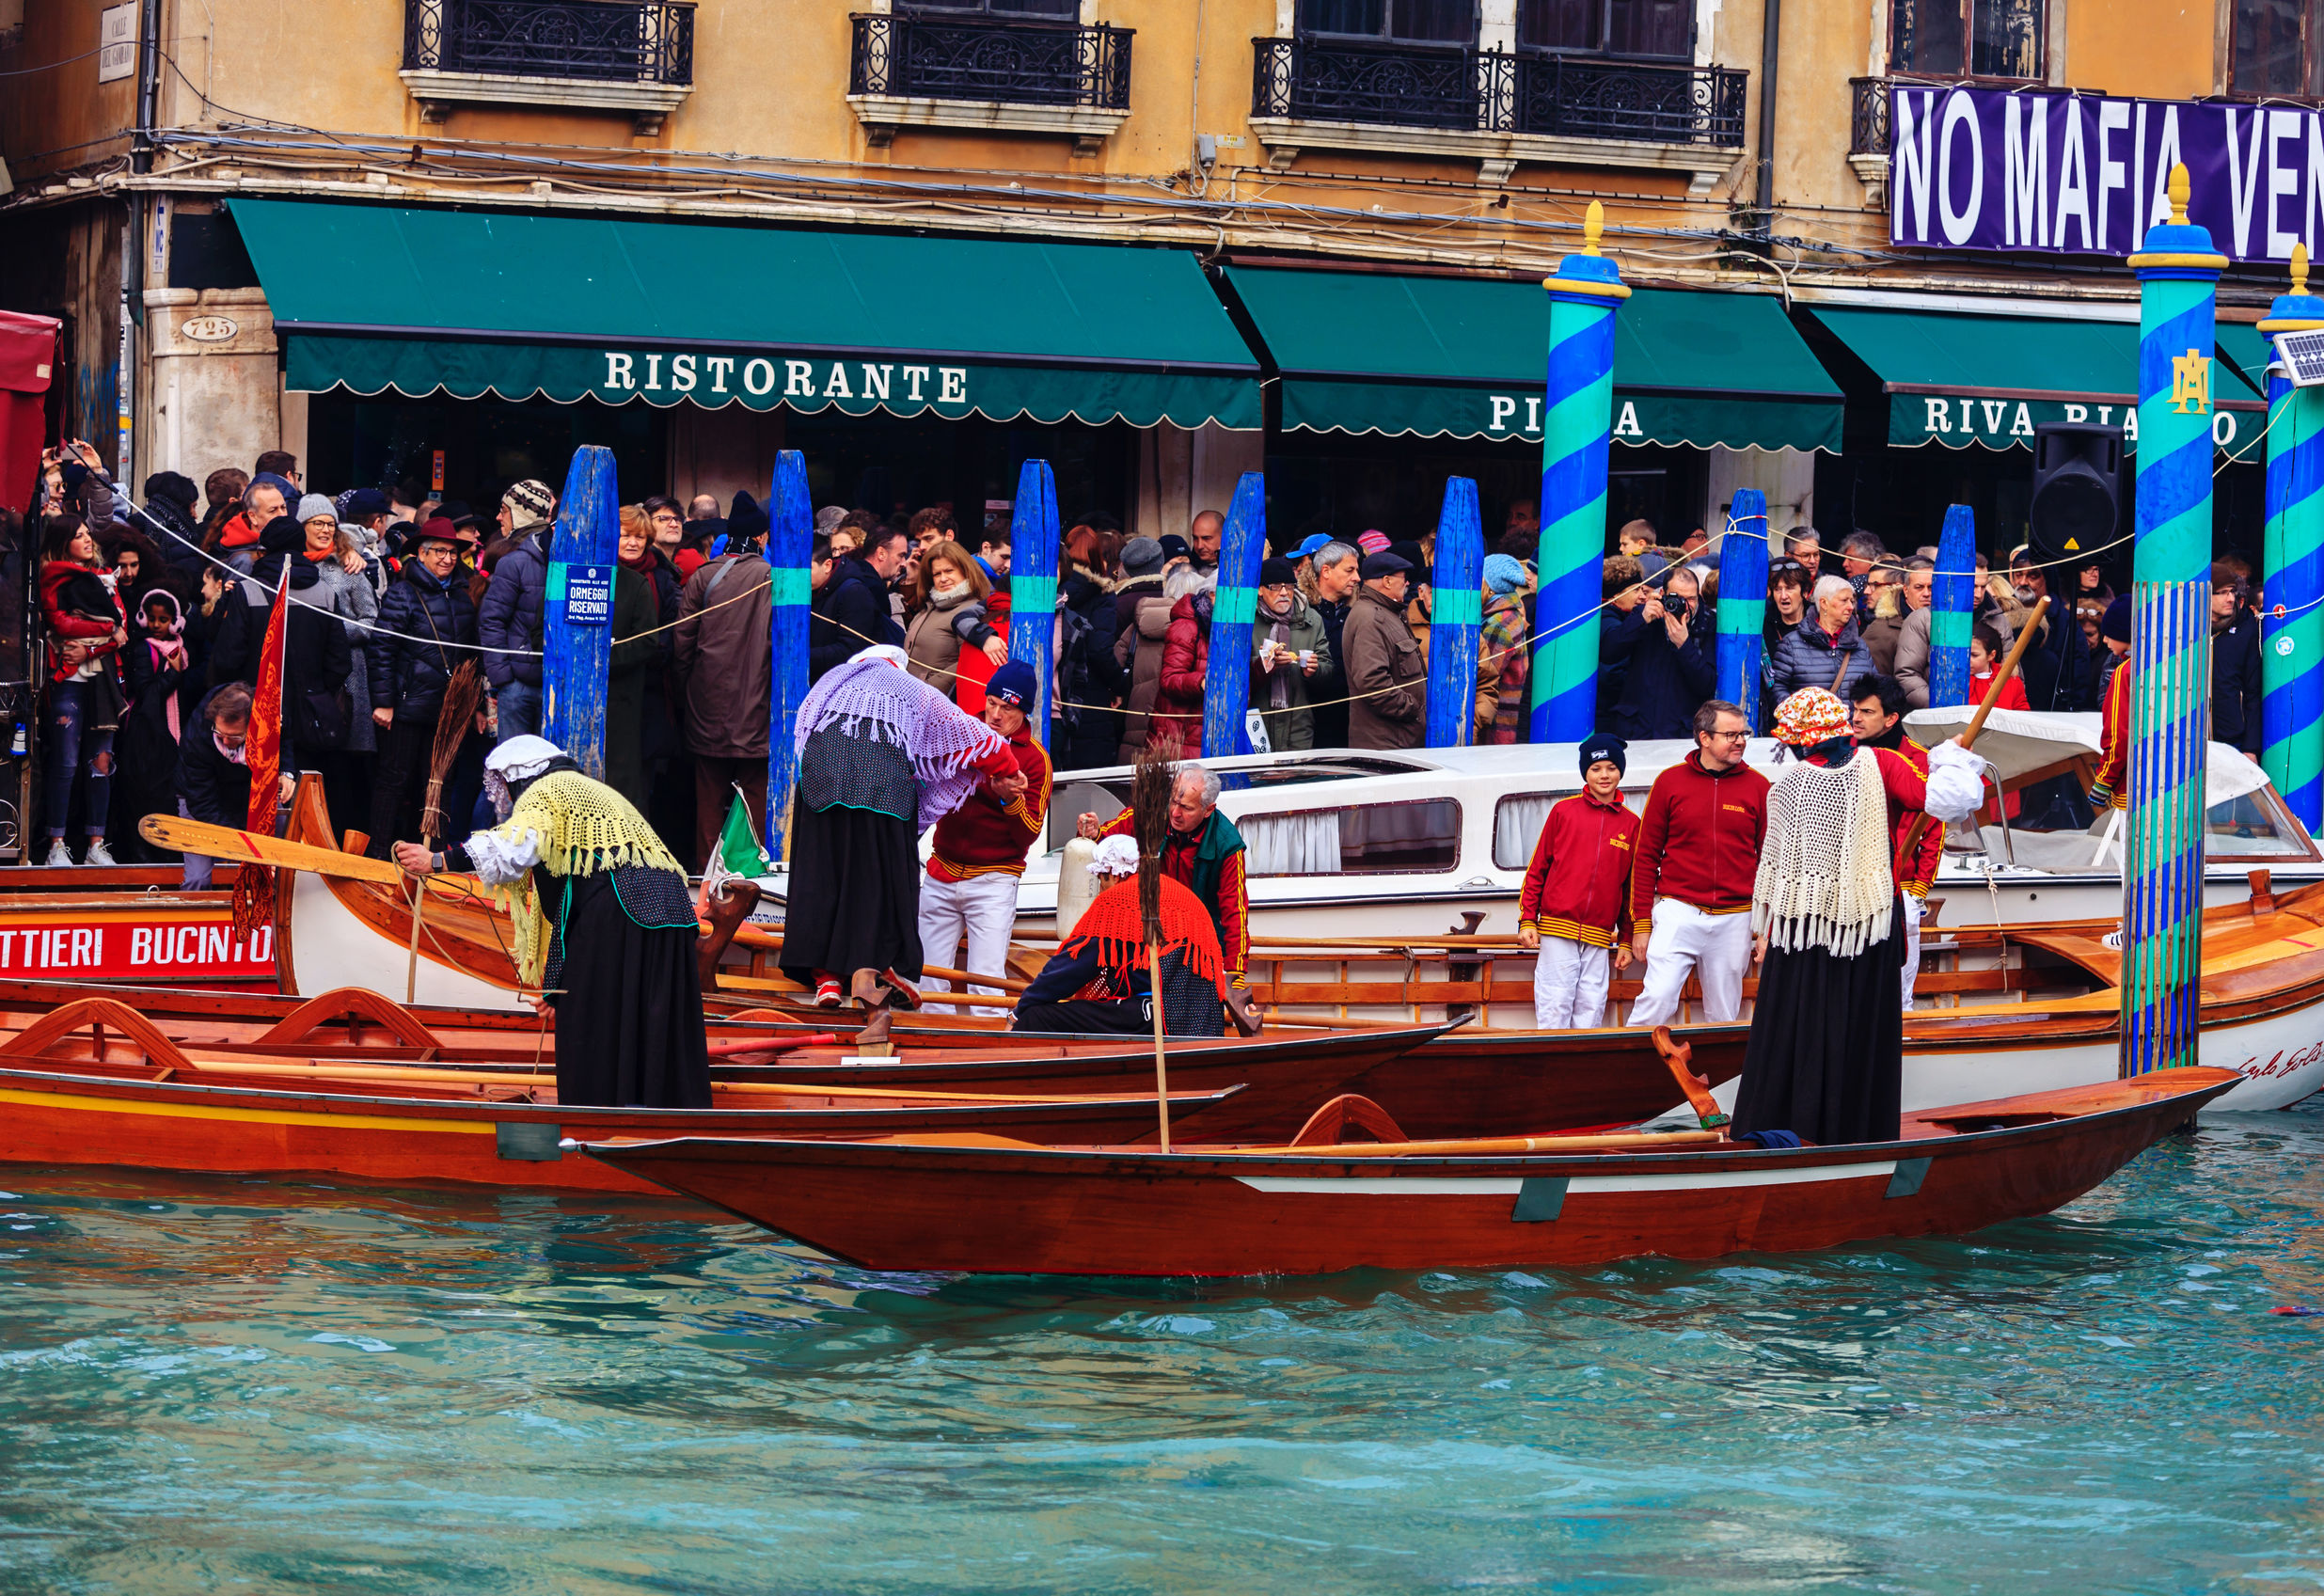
column 1698, row 859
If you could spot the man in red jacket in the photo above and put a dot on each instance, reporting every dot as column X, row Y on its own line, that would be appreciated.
column 1698, row 859
column 977, row 852
column 1576, row 900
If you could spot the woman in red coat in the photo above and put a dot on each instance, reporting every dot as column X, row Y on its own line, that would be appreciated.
column 1186, row 662
column 81, row 711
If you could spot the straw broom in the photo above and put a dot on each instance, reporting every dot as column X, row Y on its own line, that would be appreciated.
column 463, row 696
column 1149, row 805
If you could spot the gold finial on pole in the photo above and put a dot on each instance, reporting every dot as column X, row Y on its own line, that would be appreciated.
column 1593, row 227
column 2178, row 195
column 2300, row 268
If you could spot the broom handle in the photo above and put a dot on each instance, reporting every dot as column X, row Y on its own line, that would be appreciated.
column 1162, row 1070
column 1977, row 721
column 411, row 968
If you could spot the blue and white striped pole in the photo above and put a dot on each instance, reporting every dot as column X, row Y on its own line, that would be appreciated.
column 1033, row 585
column 2292, row 628
column 1953, row 605
column 576, row 611
column 2171, row 642
column 1227, row 682
column 1577, row 413
column 1743, row 602
column 1456, row 616
column 790, row 546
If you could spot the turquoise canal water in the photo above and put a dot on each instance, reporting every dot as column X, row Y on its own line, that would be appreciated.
column 218, row 1385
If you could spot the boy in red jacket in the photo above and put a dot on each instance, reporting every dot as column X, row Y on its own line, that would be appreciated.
column 1576, row 900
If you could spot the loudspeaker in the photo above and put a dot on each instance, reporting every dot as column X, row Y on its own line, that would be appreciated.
column 2077, row 491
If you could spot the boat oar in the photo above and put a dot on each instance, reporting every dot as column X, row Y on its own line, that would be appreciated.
column 1977, row 721
column 182, row 836
column 1680, row 1057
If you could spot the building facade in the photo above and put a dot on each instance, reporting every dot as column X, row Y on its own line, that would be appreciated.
column 1156, row 241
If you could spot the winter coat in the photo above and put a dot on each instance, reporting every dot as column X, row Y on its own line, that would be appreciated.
column 315, row 656
column 1292, row 728
column 851, row 615
column 2236, row 684
column 933, row 641
column 724, row 670
column 409, row 672
column 630, row 668
column 212, row 786
column 1139, row 650
column 1083, row 735
column 1912, row 657
column 1666, row 684
column 1807, row 656
column 515, row 597
column 1880, row 637
column 73, row 601
column 1502, row 642
column 1331, row 717
column 1185, row 671
column 353, row 599
column 1382, row 653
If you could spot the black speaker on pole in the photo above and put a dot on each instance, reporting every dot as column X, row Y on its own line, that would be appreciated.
column 2077, row 491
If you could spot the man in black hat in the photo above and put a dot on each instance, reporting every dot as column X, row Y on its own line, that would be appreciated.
column 1387, row 670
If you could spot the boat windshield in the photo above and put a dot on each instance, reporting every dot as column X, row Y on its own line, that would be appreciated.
column 2254, row 826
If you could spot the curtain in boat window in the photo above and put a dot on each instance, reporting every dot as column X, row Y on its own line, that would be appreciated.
column 1517, row 824
column 1306, row 844
column 1423, row 836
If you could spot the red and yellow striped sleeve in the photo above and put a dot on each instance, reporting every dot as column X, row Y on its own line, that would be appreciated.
column 1235, row 920
column 2112, row 787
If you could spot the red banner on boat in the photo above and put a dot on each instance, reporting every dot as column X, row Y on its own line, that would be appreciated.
column 175, row 949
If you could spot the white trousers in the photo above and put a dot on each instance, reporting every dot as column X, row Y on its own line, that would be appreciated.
column 1569, row 985
column 1717, row 947
column 983, row 907
column 1913, row 909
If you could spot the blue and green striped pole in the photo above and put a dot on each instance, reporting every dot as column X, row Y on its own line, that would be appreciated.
column 1577, row 415
column 1227, row 682
column 577, row 611
column 1456, row 616
column 789, row 547
column 1032, row 584
column 2171, row 642
column 1743, row 602
column 2292, row 628
column 1952, row 607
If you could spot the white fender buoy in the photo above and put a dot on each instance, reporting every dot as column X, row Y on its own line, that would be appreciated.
column 1077, row 889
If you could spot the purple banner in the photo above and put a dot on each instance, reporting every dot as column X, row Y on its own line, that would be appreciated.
column 2085, row 174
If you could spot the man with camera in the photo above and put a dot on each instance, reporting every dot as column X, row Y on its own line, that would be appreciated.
column 1672, row 659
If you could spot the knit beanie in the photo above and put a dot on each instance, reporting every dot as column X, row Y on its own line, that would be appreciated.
column 1141, row 557
column 1503, row 575
column 1276, row 569
column 2117, row 622
column 1013, row 685
column 530, row 503
column 1605, row 746
column 1373, row 543
column 747, row 520
column 314, row 504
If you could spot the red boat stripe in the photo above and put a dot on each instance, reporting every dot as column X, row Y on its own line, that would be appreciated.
column 1582, row 1185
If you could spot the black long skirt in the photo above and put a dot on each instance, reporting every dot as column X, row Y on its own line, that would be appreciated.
column 1825, row 1060
column 629, row 1031
column 854, row 901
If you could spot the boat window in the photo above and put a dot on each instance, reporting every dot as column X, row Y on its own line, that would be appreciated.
column 1518, row 819
column 1362, row 840
column 2256, row 826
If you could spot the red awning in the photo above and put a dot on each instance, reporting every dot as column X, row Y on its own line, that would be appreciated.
column 28, row 352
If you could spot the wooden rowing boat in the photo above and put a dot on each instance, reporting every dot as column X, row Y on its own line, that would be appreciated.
column 984, row 1205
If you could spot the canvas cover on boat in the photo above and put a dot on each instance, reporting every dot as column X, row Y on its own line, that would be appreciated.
column 2018, row 741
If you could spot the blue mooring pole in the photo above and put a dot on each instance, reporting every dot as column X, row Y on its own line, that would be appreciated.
column 1226, row 683
column 790, row 541
column 1952, row 602
column 1033, row 585
column 576, row 614
column 1743, row 602
column 1456, row 616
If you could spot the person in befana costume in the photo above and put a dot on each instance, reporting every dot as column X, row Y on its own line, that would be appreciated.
column 882, row 756
column 605, row 927
column 1826, row 1057
column 1097, row 979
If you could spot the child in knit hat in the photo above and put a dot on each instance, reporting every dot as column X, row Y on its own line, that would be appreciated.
column 1575, row 910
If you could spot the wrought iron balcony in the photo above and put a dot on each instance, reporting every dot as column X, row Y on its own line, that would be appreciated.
column 1868, row 116
column 1494, row 92
column 625, row 41
column 991, row 60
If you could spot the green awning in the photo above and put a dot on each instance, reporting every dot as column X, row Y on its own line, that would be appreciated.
column 370, row 298
column 1456, row 357
column 1963, row 378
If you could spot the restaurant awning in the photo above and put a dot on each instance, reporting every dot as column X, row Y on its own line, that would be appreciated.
column 1963, row 378
column 1457, row 357
column 370, row 298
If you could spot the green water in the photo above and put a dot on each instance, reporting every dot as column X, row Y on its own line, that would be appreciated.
column 213, row 1384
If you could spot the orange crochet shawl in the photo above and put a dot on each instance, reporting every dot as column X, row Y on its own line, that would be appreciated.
column 1112, row 925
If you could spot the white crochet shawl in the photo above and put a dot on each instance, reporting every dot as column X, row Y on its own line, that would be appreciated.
column 1824, row 875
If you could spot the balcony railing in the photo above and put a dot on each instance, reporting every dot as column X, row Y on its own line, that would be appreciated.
column 1868, row 116
column 611, row 40
column 1010, row 62
column 1493, row 91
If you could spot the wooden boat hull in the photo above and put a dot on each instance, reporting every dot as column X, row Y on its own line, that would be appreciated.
column 1113, row 1212
column 54, row 1115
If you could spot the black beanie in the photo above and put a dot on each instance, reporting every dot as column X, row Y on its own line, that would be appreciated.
column 1602, row 745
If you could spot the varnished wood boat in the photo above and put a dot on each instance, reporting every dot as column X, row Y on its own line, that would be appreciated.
column 984, row 1206
column 151, row 1104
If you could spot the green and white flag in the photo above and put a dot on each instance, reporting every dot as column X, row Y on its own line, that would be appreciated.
column 740, row 850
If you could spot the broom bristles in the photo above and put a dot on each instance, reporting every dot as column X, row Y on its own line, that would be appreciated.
column 463, row 696
column 1149, row 806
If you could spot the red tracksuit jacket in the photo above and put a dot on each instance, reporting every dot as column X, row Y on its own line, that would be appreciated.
column 1579, row 884
column 1698, row 840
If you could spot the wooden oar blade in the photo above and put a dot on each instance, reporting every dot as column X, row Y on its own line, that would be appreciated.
column 182, row 836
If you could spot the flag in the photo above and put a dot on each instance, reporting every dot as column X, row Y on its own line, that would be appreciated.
column 254, row 884
column 739, row 853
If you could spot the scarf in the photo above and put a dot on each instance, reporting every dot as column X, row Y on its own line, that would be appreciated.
column 1113, row 929
column 1219, row 843
column 1824, row 874
column 951, row 597
column 872, row 697
column 577, row 827
column 1279, row 633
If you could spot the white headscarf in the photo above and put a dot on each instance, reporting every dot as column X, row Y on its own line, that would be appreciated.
column 518, row 759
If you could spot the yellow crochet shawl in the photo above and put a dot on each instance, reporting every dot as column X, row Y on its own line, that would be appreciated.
column 584, row 827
